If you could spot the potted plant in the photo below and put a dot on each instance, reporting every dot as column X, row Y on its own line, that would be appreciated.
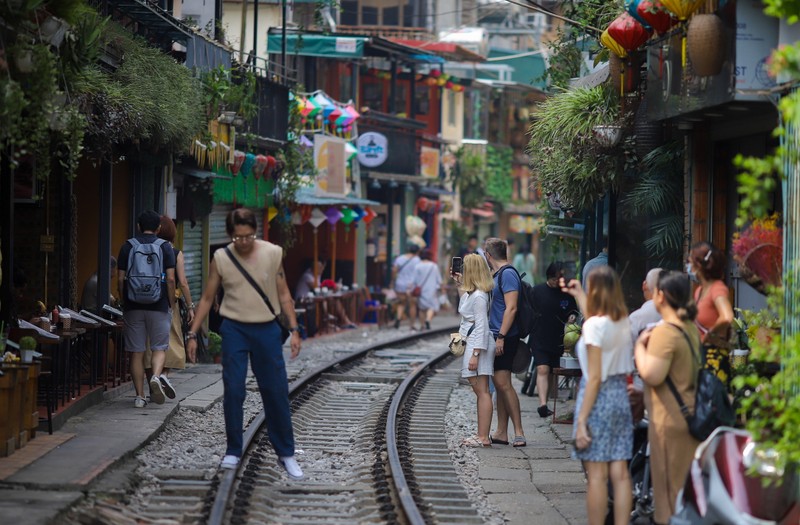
column 27, row 347
column 215, row 346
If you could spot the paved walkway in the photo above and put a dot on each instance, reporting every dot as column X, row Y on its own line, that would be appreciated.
column 536, row 484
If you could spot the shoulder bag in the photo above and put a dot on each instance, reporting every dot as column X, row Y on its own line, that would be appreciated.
column 417, row 291
column 285, row 333
column 458, row 343
column 712, row 406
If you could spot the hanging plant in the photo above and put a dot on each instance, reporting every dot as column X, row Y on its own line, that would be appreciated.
column 499, row 183
column 565, row 157
column 471, row 178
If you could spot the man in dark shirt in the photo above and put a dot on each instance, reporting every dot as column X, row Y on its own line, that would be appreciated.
column 152, row 321
column 557, row 308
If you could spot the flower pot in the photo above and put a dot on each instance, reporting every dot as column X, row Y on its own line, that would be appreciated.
column 705, row 44
column 739, row 357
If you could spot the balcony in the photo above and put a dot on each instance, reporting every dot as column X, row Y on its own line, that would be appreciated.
column 389, row 32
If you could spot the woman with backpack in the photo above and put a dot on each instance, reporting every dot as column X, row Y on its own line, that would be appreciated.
column 664, row 352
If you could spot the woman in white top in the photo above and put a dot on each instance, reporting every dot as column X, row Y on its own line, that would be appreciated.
column 603, row 427
column 478, row 361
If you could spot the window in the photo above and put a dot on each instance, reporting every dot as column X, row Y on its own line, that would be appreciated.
column 408, row 15
column 349, row 13
column 369, row 16
column 422, row 99
column 451, row 107
column 391, row 16
column 373, row 96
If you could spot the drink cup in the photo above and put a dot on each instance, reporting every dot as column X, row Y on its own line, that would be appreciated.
column 66, row 319
column 739, row 357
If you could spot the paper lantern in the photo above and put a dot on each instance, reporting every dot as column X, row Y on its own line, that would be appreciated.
column 682, row 9
column 612, row 45
column 350, row 151
column 334, row 115
column 369, row 214
column 630, row 7
column 247, row 165
column 238, row 160
column 328, row 110
column 359, row 211
column 449, row 84
column 272, row 212
column 441, row 82
column 296, row 218
column 270, row 169
column 353, row 113
column 627, row 32
column 436, row 73
column 307, row 107
column 430, row 81
column 317, row 218
column 333, row 215
column 306, row 142
column 259, row 166
column 654, row 13
column 348, row 216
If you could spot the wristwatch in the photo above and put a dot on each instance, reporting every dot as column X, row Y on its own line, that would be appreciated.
column 501, row 336
column 476, row 354
column 293, row 329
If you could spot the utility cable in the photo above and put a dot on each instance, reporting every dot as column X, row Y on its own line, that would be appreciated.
column 540, row 9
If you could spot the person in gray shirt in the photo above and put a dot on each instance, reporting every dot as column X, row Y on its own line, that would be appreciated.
column 647, row 313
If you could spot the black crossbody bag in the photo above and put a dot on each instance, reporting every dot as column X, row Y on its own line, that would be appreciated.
column 285, row 332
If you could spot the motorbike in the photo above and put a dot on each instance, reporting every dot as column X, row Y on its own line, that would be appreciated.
column 639, row 469
column 732, row 482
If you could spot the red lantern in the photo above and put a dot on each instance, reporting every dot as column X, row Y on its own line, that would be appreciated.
column 423, row 203
column 259, row 166
column 628, row 32
column 270, row 167
column 655, row 14
column 238, row 160
column 436, row 73
column 448, row 84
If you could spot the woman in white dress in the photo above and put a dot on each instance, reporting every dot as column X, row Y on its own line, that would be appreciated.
column 478, row 361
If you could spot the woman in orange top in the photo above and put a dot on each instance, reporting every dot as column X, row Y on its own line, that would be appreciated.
column 714, row 310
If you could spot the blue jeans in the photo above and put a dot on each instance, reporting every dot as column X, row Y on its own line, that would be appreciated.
column 261, row 342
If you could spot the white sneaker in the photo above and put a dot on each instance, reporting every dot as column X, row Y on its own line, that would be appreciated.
column 229, row 462
column 156, row 391
column 139, row 402
column 167, row 386
column 291, row 466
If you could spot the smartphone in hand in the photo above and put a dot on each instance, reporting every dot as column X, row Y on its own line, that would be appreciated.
column 457, row 265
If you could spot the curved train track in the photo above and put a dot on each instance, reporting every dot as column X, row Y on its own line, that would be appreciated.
column 369, row 433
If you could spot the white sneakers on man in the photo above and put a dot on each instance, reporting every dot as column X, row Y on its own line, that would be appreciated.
column 156, row 391
column 291, row 466
column 139, row 402
column 167, row 386
column 229, row 462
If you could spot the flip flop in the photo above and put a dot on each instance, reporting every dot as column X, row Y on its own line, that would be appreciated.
column 498, row 441
column 519, row 441
column 474, row 442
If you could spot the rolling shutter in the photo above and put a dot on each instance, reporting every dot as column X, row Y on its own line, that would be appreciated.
column 216, row 221
column 193, row 257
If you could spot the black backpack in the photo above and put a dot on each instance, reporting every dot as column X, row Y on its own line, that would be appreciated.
column 527, row 313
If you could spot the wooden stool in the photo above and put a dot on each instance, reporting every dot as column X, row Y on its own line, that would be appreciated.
column 569, row 373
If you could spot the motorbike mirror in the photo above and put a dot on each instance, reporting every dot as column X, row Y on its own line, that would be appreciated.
column 765, row 462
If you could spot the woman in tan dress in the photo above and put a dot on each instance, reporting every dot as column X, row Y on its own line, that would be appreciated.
column 663, row 352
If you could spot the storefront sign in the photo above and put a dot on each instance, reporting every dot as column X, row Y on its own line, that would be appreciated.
column 522, row 223
column 429, row 163
column 756, row 37
column 330, row 161
column 346, row 45
column 373, row 149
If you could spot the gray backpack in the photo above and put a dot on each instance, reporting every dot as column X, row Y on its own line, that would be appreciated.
column 145, row 271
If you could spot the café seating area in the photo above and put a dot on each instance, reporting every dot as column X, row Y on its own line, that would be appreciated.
column 75, row 361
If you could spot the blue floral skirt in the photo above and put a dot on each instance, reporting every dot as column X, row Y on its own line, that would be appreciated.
column 610, row 422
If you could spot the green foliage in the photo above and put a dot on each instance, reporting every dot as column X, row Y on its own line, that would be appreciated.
column 471, row 178
column 499, row 182
column 565, row 50
column 565, row 157
column 27, row 343
column 755, row 183
column 770, row 405
column 226, row 90
column 214, row 344
column 657, row 198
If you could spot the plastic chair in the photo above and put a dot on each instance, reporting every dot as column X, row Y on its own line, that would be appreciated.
column 373, row 310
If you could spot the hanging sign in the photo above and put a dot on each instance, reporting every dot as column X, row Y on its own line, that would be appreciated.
column 429, row 163
column 373, row 149
column 330, row 160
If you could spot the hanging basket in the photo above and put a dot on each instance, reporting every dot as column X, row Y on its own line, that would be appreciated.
column 705, row 44
column 762, row 267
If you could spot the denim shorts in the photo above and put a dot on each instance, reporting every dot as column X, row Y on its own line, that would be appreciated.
column 142, row 326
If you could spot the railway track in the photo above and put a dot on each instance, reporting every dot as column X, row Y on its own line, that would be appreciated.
column 370, row 438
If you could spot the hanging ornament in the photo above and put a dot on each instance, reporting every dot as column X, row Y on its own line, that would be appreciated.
column 317, row 218
column 449, row 84
column 333, row 215
column 259, row 166
column 359, row 211
column 612, row 45
column 296, row 218
column 247, row 165
column 238, row 160
column 682, row 9
column 630, row 8
column 441, row 82
column 369, row 215
column 436, row 73
column 628, row 32
column 423, row 204
column 328, row 110
column 334, row 115
column 431, row 81
column 348, row 217
column 655, row 14
column 305, row 213
column 353, row 113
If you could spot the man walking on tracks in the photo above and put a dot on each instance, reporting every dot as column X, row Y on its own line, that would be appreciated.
column 502, row 323
column 251, row 272
column 146, row 280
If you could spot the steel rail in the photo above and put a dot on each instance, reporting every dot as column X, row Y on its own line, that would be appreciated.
column 409, row 506
column 228, row 477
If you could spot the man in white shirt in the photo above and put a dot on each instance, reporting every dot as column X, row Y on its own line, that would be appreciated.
column 647, row 314
column 403, row 283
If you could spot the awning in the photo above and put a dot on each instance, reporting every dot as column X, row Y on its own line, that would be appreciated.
column 435, row 191
column 307, row 196
column 199, row 173
column 345, row 46
column 446, row 50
